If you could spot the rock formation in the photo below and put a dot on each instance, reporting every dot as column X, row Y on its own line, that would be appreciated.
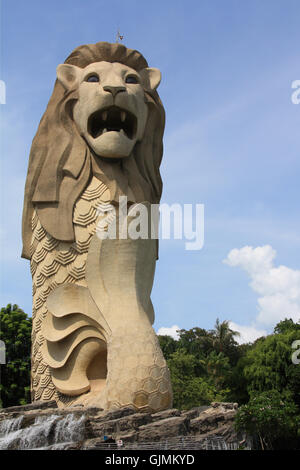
column 84, row 428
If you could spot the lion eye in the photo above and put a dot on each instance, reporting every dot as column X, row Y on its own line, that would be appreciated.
column 93, row 78
column 131, row 79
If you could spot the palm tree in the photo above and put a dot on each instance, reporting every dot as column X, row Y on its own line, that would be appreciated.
column 223, row 336
column 218, row 367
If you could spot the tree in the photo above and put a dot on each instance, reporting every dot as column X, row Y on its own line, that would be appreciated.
column 195, row 341
column 218, row 368
column 269, row 365
column 286, row 325
column 273, row 417
column 223, row 339
column 15, row 373
column 236, row 381
column 210, row 365
column 189, row 389
column 201, row 363
column 168, row 345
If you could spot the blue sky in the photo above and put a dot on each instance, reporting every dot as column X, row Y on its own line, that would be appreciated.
column 231, row 143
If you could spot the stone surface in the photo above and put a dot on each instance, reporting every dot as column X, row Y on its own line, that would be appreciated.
column 120, row 425
column 224, row 405
column 165, row 414
column 37, row 405
column 92, row 339
column 195, row 412
column 115, row 414
column 170, row 428
column 164, row 429
column 129, row 437
column 215, row 419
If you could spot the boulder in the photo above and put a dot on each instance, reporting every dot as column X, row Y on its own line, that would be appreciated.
column 36, row 405
column 163, row 429
column 165, row 414
column 169, row 428
column 217, row 420
column 116, row 414
column 194, row 412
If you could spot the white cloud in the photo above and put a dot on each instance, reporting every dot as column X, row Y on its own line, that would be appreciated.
column 278, row 287
column 172, row 331
column 248, row 334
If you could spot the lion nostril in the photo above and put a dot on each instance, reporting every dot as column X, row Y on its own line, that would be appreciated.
column 114, row 89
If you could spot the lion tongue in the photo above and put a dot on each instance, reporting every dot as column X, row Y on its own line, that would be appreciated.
column 112, row 130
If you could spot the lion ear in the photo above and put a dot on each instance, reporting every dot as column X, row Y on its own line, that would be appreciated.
column 151, row 78
column 68, row 75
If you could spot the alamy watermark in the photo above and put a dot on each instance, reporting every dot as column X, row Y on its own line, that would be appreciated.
column 295, row 97
column 2, row 352
column 144, row 220
column 296, row 354
column 2, row 92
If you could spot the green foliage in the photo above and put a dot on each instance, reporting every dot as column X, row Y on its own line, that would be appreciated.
column 218, row 369
column 15, row 374
column 286, row 325
column 168, row 345
column 190, row 390
column 200, row 342
column 223, row 339
column 182, row 364
column 237, row 382
column 208, row 366
column 273, row 417
column 269, row 365
column 200, row 364
column 195, row 341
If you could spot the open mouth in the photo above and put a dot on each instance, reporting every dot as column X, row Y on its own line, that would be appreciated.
column 112, row 119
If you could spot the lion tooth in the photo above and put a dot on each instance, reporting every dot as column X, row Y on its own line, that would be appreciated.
column 123, row 116
column 104, row 130
column 104, row 115
column 122, row 132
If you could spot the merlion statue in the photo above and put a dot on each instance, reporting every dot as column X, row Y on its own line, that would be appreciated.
column 99, row 142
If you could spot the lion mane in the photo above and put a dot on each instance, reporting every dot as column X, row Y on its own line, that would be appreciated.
column 61, row 163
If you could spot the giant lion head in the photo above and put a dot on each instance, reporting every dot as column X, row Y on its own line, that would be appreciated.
column 104, row 118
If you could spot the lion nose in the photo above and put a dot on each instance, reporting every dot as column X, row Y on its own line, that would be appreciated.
column 114, row 89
